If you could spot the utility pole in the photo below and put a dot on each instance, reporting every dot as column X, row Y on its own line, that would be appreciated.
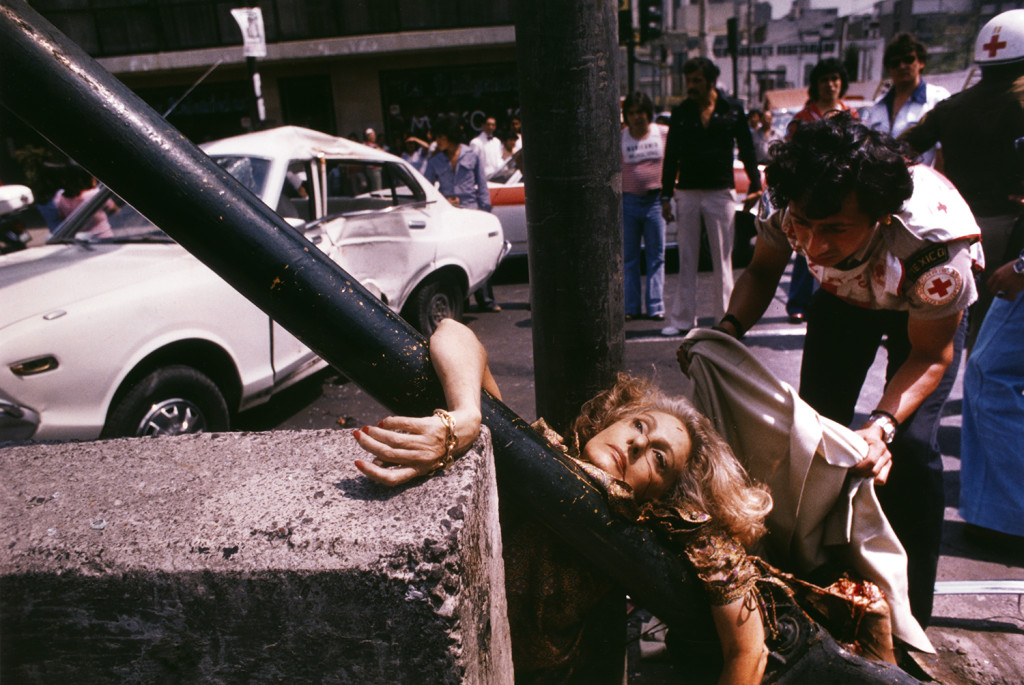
column 628, row 37
column 570, row 104
column 569, row 98
column 702, row 27
column 750, row 53
column 250, row 21
column 732, row 34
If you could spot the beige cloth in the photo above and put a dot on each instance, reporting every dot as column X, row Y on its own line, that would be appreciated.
column 819, row 512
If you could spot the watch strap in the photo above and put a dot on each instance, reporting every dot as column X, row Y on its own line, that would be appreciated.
column 886, row 422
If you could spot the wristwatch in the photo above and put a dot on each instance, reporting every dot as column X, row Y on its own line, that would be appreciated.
column 1018, row 266
column 887, row 423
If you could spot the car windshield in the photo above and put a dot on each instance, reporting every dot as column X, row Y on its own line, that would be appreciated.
column 508, row 173
column 101, row 216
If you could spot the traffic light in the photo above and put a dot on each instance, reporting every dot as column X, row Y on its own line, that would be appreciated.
column 650, row 20
column 625, row 22
column 732, row 36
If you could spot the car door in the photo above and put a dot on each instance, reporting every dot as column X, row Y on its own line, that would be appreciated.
column 296, row 205
column 375, row 224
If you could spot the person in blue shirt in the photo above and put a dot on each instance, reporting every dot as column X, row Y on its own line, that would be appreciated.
column 909, row 98
column 459, row 173
column 458, row 170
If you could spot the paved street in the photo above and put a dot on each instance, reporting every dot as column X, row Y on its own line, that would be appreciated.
column 979, row 638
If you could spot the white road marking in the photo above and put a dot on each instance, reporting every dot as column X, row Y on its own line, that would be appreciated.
column 754, row 333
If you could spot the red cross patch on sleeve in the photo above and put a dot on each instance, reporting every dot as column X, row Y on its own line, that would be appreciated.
column 940, row 285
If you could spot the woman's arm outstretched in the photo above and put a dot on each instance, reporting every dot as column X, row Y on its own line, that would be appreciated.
column 406, row 447
column 741, row 633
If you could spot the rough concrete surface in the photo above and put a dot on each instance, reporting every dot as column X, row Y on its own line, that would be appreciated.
column 250, row 557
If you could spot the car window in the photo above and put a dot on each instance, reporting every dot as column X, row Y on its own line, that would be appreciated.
column 508, row 173
column 404, row 189
column 355, row 186
column 295, row 201
column 251, row 171
column 104, row 217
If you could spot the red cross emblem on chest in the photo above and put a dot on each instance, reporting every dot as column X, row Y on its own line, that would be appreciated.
column 940, row 287
column 994, row 45
column 941, row 208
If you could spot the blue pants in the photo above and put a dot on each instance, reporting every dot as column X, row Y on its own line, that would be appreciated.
column 991, row 459
column 841, row 343
column 642, row 221
column 801, row 287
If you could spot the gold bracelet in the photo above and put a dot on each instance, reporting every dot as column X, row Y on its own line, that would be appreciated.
column 450, row 440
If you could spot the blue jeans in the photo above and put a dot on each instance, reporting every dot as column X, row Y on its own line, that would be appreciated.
column 801, row 286
column 642, row 221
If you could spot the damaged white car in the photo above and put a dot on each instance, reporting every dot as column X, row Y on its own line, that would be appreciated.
column 113, row 329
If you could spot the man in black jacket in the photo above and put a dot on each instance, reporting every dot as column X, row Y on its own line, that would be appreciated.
column 698, row 166
column 981, row 130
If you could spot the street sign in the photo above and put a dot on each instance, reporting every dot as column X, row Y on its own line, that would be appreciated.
column 250, row 21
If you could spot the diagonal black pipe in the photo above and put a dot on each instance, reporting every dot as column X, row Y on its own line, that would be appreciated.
column 59, row 90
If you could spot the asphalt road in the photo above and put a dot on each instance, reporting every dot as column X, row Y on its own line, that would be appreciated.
column 979, row 637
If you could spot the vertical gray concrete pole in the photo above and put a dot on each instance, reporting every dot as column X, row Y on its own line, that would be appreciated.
column 569, row 100
column 567, row 55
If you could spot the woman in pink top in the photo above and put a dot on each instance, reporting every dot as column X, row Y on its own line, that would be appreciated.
column 643, row 151
column 828, row 84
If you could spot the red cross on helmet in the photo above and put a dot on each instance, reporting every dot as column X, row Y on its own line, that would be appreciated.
column 1001, row 40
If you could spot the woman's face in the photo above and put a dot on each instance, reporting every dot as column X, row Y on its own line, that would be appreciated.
column 637, row 119
column 647, row 451
column 829, row 87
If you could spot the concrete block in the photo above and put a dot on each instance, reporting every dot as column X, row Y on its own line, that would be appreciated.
column 255, row 558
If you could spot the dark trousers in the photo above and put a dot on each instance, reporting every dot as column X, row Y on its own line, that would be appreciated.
column 841, row 344
column 484, row 295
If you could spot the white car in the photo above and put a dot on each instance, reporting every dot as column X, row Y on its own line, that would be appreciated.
column 112, row 328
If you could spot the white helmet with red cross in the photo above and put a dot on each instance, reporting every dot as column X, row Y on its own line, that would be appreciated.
column 1001, row 40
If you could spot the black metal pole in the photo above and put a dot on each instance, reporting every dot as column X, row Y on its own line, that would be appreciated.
column 631, row 66
column 48, row 82
column 569, row 99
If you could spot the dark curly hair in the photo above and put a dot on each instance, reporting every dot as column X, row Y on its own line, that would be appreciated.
column 449, row 127
column 904, row 44
column 702, row 64
column 826, row 160
column 642, row 102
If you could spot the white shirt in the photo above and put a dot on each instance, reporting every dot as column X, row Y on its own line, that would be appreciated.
column 489, row 152
column 921, row 261
column 921, row 101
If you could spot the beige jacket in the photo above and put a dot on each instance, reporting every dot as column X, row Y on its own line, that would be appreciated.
column 820, row 513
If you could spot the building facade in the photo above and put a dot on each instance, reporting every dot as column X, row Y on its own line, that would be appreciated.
column 339, row 67
column 778, row 54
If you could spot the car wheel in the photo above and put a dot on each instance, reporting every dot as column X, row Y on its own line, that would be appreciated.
column 169, row 401
column 433, row 301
